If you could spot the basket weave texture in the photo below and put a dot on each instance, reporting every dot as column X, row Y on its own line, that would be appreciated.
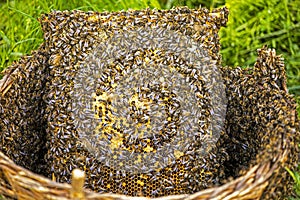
column 259, row 180
column 258, row 156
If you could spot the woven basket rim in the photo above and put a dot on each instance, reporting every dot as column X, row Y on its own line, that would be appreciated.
column 235, row 188
column 25, row 183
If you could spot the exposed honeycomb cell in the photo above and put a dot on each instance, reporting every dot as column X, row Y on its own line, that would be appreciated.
column 130, row 111
column 44, row 127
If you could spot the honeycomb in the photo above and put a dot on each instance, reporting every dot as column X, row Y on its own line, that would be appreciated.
column 138, row 122
column 146, row 122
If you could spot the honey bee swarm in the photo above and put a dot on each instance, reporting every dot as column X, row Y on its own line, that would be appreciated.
column 133, row 123
column 81, row 102
column 261, row 121
column 21, row 112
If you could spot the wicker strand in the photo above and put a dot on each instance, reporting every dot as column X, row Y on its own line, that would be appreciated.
column 78, row 177
column 27, row 185
column 19, row 183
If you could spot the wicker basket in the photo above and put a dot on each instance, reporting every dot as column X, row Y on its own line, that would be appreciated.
column 258, row 181
column 24, row 184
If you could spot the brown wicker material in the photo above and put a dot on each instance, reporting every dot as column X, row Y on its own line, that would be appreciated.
column 261, row 139
column 22, row 184
column 27, row 185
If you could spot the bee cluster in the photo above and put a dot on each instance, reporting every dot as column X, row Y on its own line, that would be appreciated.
column 22, row 108
column 75, row 103
column 123, row 136
column 261, row 121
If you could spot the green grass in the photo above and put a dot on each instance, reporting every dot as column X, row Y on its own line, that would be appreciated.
column 20, row 31
column 255, row 23
column 296, row 178
column 251, row 25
